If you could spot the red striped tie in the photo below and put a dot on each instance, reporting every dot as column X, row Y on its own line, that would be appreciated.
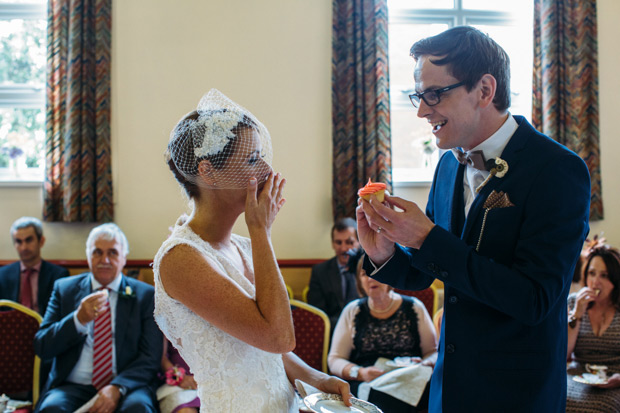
column 102, row 351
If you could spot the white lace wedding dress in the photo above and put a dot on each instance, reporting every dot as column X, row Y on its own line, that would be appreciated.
column 232, row 375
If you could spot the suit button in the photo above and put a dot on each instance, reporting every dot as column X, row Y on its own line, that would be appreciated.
column 431, row 267
column 450, row 348
column 444, row 274
column 453, row 299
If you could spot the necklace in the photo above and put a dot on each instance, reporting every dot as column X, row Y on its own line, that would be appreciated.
column 385, row 310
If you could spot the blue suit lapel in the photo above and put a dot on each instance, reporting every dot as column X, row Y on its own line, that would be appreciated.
column 124, row 307
column 512, row 156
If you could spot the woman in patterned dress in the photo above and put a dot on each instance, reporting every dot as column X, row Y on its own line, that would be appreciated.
column 594, row 333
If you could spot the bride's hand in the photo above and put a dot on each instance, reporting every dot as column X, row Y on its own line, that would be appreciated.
column 335, row 385
column 261, row 208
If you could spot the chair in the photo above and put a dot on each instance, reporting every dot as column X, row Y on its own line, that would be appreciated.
column 289, row 290
column 19, row 366
column 428, row 296
column 312, row 331
column 304, row 294
column 437, row 319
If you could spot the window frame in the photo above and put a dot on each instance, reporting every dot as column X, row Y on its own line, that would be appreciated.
column 456, row 16
column 22, row 96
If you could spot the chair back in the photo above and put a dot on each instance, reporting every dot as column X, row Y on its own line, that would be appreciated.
column 428, row 296
column 19, row 366
column 312, row 331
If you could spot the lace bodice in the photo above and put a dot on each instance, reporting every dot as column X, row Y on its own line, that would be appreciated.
column 396, row 336
column 232, row 375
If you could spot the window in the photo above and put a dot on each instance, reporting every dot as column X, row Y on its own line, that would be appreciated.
column 414, row 154
column 22, row 89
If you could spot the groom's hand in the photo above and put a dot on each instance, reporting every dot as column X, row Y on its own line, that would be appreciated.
column 376, row 245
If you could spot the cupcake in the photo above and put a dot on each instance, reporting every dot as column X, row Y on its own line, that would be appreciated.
column 372, row 188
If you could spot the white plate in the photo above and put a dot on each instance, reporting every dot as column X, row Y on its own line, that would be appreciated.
column 591, row 379
column 332, row 403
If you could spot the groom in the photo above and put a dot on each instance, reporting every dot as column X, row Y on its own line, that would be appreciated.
column 502, row 230
column 100, row 333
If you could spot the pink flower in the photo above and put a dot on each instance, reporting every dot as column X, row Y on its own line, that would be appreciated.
column 175, row 375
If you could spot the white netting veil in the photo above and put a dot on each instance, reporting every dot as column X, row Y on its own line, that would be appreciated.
column 220, row 145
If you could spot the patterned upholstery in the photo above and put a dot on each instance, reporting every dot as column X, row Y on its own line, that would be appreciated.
column 19, row 367
column 311, row 334
column 427, row 296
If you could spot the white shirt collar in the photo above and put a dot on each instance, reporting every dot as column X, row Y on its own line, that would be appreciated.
column 495, row 144
column 115, row 285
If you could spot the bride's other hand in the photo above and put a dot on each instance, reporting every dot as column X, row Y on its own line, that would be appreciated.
column 335, row 385
column 261, row 208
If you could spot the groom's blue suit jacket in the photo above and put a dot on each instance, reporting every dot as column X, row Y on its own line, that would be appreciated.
column 504, row 333
column 137, row 339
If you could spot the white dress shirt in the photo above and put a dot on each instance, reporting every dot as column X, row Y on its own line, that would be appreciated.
column 491, row 148
column 82, row 373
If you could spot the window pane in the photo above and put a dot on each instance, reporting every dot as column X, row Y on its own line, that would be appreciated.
column 414, row 149
column 22, row 143
column 402, row 37
column 414, row 154
column 517, row 42
column 420, row 4
column 22, row 51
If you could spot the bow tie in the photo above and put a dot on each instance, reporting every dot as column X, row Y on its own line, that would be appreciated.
column 475, row 159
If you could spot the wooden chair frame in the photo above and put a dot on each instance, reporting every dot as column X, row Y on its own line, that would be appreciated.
column 325, row 318
column 37, row 360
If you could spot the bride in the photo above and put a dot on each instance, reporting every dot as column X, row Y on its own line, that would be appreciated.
column 220, row 298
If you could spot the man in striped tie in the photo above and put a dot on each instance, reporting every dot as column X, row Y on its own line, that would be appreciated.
column 100, row 333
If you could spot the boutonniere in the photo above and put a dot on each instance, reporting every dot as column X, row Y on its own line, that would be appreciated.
column 128, row 293
column 495, row 200
column 496, row 167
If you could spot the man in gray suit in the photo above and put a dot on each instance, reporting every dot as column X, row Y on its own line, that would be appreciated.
column 30, row 280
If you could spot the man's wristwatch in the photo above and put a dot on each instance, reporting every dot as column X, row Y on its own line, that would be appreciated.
column 354, row 372
column 122, row 390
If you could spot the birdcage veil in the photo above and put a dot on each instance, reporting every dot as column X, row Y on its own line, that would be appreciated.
column 234, row 144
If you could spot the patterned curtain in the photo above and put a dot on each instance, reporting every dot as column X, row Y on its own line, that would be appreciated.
column 360, row 100
column 565, row 99
column 78, row 182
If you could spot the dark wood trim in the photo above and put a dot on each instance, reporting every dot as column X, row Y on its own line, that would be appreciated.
column 285, row 263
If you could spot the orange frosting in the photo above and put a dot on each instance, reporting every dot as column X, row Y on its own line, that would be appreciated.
column 371, row 188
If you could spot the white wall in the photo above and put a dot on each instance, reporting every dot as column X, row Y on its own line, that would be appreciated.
column 273, row 57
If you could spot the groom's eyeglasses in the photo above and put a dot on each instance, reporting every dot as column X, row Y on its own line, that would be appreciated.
column 431, row 97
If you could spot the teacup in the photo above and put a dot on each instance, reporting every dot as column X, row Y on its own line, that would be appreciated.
column 4, row 400
column 597, row 369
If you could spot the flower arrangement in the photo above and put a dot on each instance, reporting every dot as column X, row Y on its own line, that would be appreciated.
column 175, row 375
column 12, row 151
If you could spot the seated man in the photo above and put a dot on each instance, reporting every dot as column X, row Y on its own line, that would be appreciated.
column 30, row 280
column 100, row 332
column 332, row 283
